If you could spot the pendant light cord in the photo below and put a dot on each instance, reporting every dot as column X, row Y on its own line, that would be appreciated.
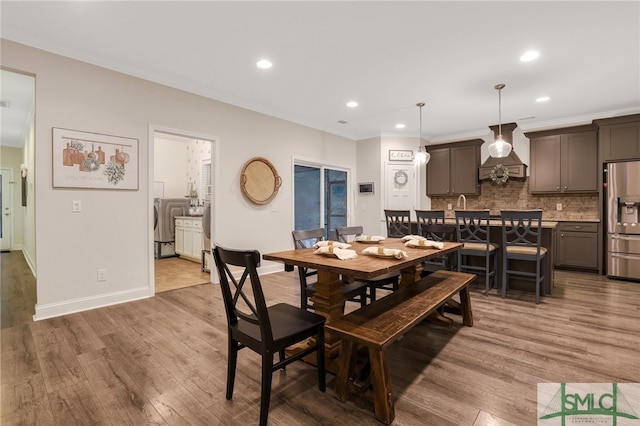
column 499, row 88
column 500, row 113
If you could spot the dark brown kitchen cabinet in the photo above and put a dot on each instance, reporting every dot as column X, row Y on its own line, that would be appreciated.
column 577, row 245
column 453, row 168
column 564, row 160
column 619, row 138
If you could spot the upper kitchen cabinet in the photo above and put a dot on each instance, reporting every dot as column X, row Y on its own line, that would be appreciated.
column 564, row 160
column 453, row 168
column 619, row 138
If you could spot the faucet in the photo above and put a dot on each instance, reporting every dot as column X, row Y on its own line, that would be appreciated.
column 464, row 201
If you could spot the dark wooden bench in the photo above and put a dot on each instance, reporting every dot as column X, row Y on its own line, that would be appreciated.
column 378, row 325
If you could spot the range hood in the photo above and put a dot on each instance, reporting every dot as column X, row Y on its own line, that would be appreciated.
column 517, row 169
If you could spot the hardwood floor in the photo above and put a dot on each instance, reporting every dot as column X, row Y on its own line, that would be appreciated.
column 174, row 272
column 163, row 360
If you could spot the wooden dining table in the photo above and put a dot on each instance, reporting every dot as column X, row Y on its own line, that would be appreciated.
column 328, row 298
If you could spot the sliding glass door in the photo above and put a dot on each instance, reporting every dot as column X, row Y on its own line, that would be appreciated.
column 320, row 196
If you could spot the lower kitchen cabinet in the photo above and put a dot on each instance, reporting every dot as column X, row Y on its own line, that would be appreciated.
column 189, row 240
column 577, row 245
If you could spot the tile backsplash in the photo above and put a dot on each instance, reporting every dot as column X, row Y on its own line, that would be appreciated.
column 515, row 195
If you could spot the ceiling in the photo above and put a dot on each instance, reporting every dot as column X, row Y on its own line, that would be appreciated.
column 385, row 55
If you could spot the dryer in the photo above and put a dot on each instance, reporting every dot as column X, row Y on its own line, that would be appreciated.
column 165, row 211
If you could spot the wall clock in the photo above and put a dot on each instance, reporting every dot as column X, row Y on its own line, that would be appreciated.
column 259, row 181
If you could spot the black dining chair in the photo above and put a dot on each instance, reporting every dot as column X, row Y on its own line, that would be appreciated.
column 264, row 330
column 389, row 281
column 306, row 238
column 398, row 223
column 522, row 240
column 473, row 230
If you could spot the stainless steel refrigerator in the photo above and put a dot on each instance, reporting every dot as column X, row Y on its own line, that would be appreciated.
column 623, row 220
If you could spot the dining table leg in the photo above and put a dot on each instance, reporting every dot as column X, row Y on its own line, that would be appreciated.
column 411, row 275
column 329, row 301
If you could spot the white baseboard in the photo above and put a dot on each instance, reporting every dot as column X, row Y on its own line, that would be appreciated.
column 271, row 269
column 30, row 262
column 84, row 304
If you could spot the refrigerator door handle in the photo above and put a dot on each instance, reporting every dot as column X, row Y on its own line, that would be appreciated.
column 625, row 256
column 624, row 237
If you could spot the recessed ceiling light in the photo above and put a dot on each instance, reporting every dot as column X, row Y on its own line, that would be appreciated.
column 352, row 104
column 264, row 64
column 543, row 99
column 529, row 56
column 400, row 126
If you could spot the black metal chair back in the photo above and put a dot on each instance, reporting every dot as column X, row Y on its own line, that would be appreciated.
column 430, row 217
column 398, row 223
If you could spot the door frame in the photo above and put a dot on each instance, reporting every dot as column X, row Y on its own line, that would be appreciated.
column 215, row 165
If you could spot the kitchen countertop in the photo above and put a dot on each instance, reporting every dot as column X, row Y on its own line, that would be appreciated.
column 548, row 219
column 497, row 222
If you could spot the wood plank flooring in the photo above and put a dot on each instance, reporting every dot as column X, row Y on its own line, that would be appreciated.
column 163, row 360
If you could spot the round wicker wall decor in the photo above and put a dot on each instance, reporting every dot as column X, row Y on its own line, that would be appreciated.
column 259, row 180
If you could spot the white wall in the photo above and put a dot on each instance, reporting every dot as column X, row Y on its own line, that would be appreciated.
column 170, row 166
column 368, row 206
column 113, row 231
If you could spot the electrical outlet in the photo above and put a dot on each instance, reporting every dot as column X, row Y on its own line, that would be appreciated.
column 559, row 206
column 449, row 206
column 102, row 275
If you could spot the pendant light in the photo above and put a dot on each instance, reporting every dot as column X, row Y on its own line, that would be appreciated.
column 422, row 156
column 500, row 148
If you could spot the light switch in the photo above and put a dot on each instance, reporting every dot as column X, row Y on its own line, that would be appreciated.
column 76, row 206
column 559, row 206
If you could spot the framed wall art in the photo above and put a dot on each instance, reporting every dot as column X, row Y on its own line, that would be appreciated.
column 94, row 160
column 400, row 155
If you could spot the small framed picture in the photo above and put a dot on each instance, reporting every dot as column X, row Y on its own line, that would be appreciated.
column 365, row 188
column 400, row 155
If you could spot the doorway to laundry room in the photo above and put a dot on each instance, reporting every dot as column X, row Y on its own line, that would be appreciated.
column 183, row 166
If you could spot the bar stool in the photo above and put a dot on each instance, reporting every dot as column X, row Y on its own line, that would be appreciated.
column 431, row 225
column 398, row 223
column 521, row 240
column 473, row 231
